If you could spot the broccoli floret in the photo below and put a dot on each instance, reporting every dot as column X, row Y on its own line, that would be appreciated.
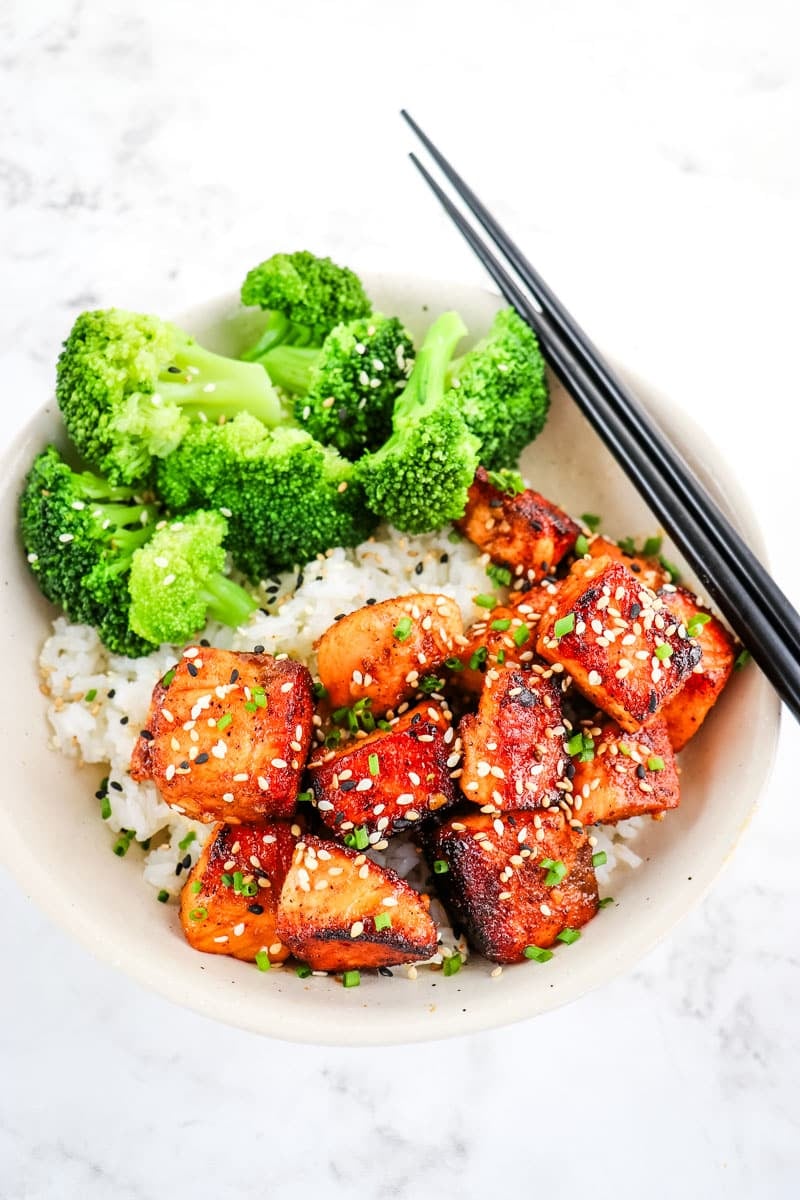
column 128, row 386
column 79, row 534
column 305, row 295
column 502, row 390
column 286, row 497
column 177, row 581
column 345, row 390
column 418, row 480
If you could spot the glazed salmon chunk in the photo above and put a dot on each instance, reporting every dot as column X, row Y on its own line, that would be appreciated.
column 228, row 735
column 514, row 755
column 686, row 711
column 229, row 903
column 647, row 570
column 624, row 648
column 502, row 639
column 385, row 651
column 339, row 911
column 389, row 780
column 625, row 774
column 512, row 883
column 520, row 530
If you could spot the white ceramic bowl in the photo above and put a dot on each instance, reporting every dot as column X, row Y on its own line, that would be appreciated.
column 52, row 839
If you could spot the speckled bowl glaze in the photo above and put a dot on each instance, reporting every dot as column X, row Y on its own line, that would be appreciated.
column 52, row 839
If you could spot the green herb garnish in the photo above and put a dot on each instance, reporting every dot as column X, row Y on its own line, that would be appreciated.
column 581, row 545
column 351, row 979
column 186, row 842
column 122, row 843
column 224, row 721
column 163, row 896
column 742, row 660
column 501, row 624
column 591, row 521
column 656, row 763
column 564, row 625
column 452, row 965
column 262, row 960
column 600, row 859
column 374, row 764
column 663, row 651
column 302, row 972
column 383, row 921
column 568, row 936
column 402, row 630
column 604, row 903
column 499, row 575
column 651, row 547
column 521, row 634
column 538, row 953
column 440, row 867
column 556, row 870
column 91, row 695
column 484, row 600
column 696, row 623
column 198, row 914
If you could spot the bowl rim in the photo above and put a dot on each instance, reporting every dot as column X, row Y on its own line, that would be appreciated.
column 20, row 860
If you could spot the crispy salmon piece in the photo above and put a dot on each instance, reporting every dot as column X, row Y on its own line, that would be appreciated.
column 647, row 570
column 631, row 774
column 686, row 711
column 496, row 889
column 620, row 643
column 385, row 650
column 514, row 755
column 340, row 911
column 229, row 903
column 390, row 779
column 501, row 639
column 532, row 600
column 228, row 735
column 524, row 531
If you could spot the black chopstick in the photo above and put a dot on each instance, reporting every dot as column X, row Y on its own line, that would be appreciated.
column 673, row 466
column 753, row 622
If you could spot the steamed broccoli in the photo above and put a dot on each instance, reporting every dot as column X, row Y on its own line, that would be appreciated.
column 305, row 295
column 286, row 497
column 345, row 390
column 502, row 392
column 177, row 581
column 418, row 480
column 80, row 534
column 129, row 384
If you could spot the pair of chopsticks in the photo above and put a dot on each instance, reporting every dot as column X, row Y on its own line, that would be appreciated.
column 754, row 606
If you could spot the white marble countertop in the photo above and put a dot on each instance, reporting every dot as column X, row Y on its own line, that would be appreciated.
column 650, row 163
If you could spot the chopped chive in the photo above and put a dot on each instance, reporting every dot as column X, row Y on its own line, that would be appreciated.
column 506, row 481
column 477, row 658
column 564, row 625
column 250, row 706
column 501, row 625
column 483, row 600
column 262, row 960
column 91, row 695
column 591, row 521
column 197, row 887
column 431, row 683
column 383, row 921
column 333, row 738
column 163, row 896
column 499, row 575
column 350, row 840
column 600, row 859
column 305, row 797
column 384, row 725
column 249, row 889
column 226, row 880
column 627, row 545
column 568, row 936
column 651, row 547
column 581, row 545
column 361, row 836
column 623, row 749
column 454, row 536
column 105, row 808
column 224, row 721
column 320, row 691
column 575, row 744
column 538, row 953
column 696, row 623
column 123, row 842
column 351, row 979
column 670, row 568
column 604, row 903
column 656, row 763
column 742, row 660
column 440, row 867
column 452, row 965
column 556, row 870
column 663, row 651
column 302, row 972
column 454, row 664
column 198, row 914
column 168, row 678
column 374, row 764
column 581, row 744
column 521, row 635
column 186, row 842
column 145, row 844
column 260, row 697
column 402, row 630
column 501, row 657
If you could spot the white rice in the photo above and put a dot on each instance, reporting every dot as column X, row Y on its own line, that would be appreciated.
column 74, row 663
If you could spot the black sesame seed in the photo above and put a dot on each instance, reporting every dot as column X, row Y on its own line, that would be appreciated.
column 652, row 702
column 201, row 758
column 273, row 589
column 570, row 770
column 415, row 718
column 256, row 909
column 179, row 868
column 344, row 416
column 258, row 649
column 192, row 669
column 535, row 525
column 640, row 771
column 387, row 974
column 443, row 558
column 338, row 616
column 632, row 566
column 205, row 642
column 112, row 693
column 495, row 503
column 124, row 720
column 174, row 370
column 347, row 785
column 371, row 601
column 116, row 786
column 635, row 610
column 146, row 734
column 234, row 675
column 419, row 568
column 184, row 765
column 300, row 579
column 187, row 861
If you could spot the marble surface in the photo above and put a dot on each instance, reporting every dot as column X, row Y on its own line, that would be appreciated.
column 649, row 160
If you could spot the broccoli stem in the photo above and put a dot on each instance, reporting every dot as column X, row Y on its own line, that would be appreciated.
column 209, row 383
column 290, row 367
column 112, row 517
column 277, row 331
column 227, row 601
column 89, row 486
column 427, row 382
